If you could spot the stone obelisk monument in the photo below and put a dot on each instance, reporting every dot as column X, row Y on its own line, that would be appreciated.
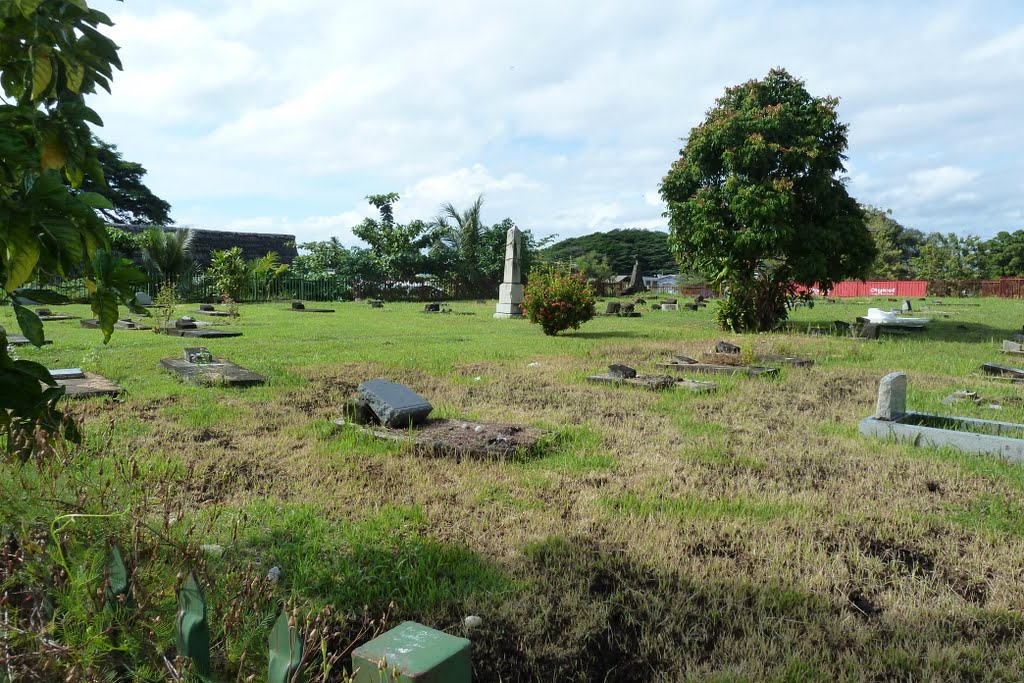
column 510, row 293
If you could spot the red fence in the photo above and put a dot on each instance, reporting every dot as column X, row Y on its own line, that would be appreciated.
column 897, row 288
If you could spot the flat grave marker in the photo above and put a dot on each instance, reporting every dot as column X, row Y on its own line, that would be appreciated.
column 199, row 366
column 78, row 384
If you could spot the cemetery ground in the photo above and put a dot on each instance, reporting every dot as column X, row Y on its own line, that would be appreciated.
column 747, row 534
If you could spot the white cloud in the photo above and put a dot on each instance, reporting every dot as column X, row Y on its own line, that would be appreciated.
column 564, row 115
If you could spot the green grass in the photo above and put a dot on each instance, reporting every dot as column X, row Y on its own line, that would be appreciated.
column 746, row 535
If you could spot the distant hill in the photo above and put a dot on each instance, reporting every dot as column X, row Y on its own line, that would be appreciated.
column 621, row 247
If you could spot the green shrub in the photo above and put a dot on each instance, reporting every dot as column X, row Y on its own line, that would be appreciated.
column 558, row 301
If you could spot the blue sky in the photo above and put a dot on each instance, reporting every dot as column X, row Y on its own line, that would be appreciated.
column 280, row 116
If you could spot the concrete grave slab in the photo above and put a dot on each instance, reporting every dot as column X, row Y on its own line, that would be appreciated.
column 78, row 384
column 969, row 435
column 669, row 307
column 444, row 437
column 1013, row 347
column 219, row 372
column 655, row 382
column 299, row 307
column 1015, row 375
column 122, row 324
column 709, row 368
column 15, row 339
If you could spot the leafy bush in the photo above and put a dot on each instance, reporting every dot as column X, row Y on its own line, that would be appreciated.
column 558, row 301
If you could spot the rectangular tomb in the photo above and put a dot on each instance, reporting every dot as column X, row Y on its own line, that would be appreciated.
column 218, row 372
column 122, row 324
column 708, row 368
column 198, row 333
column 78, row 384
column 655, row 382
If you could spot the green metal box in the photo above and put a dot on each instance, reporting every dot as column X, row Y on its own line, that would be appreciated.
column 413, row 653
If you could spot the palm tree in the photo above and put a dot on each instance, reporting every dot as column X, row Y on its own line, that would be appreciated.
column 460, row 233
column 167, row 253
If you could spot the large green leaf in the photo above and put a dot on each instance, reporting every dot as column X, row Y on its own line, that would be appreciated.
column 42, row 74
column 104, row 306
column 22, row 255
column 95, row 200
column 43, row 296
column 36, row 370
column 30, row 324
column 19, row 391
column 192, row 630
column 117, row 578
column 285, row 650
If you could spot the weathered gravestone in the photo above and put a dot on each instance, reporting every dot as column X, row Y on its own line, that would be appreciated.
column 905, row 306
column 670, row 307
column 395, row 405
column 691, row 307
column 298, row 305
column 726, row 347
column 432, row 308
column 143, row 299
column 208, row 307
column 413, row 652
column 671, row 301
column 621, row 371
column 612, row 308
column 892, row 397
column 510, row 293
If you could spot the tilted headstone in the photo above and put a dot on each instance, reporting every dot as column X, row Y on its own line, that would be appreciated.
column 612, row 308
column 395, row 405
column 298, row 305
column 621, row 371
column 726, row 347
column 892, row 397
column 143, row 299
column 510, row 293
column 906, row 307
column 1012, row 346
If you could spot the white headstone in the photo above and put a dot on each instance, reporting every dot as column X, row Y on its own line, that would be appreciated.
column 510, row 293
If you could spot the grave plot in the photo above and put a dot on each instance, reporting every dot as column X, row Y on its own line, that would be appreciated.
column 122, row 324
column 1015, row 375
column 891, row 320
column 193, row 329
column 969, row 435
column 208, row 309
column 47, row 315
column 300, row 307
column 78, row 384
column 394, row 412
column 623, row 374
column 726, row 353
column 15, row 339
column 687, row 364
column 1013, row 348
column 200, row 367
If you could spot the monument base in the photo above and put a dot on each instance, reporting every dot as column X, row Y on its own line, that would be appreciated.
column 509, row 298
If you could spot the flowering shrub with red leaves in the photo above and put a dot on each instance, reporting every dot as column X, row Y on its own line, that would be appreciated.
column 558, row 301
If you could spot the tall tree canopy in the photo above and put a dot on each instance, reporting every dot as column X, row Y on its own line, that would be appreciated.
column 621, row 247
column 895, row 245
column 756, row 201
column 131, row 201
column 397, row 249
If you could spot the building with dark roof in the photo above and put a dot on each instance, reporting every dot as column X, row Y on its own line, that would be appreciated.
column 254, row 244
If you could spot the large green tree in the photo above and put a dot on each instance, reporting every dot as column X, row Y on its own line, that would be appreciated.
column 756, row 200
column 51, row 55
column 131, row 201
column 1004, row 255
column 895, row 245
column 398, row 249
column 458, row 244
column 950, row 258
column 166, row 254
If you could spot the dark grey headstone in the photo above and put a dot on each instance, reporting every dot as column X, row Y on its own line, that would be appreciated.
column 621, row 371
column 298, row 305
column 358, row 411
column 376, row 304
column 691, row 307
column 627, row 308
column 906, row 306
column 726, row 347
column 612, row 308
column 205, row 307
column 640, row 301
column 432, row 308
column 841, row 325
column 699, row 299
column 143, row 299
column 670, row 301
column 870, row 331
column 184, row 324
column 395, row 405
column 44, row 311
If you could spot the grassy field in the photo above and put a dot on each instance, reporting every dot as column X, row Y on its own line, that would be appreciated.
column 751, row 534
